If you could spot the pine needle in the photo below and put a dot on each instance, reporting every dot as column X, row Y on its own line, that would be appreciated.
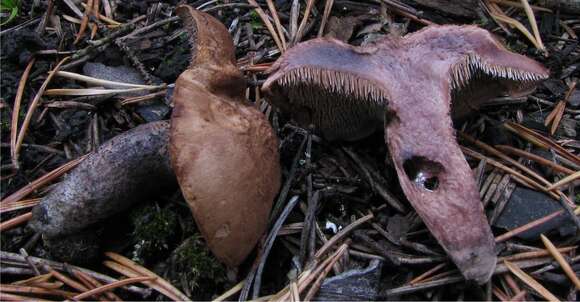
column 560, row 259
column 531, row 282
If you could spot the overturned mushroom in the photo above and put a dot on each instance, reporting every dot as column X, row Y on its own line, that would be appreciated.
column 222, row 150
column 406, row 85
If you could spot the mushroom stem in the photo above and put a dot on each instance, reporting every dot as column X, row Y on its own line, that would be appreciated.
column 223, row 151
column 121, row 172
column 438, row 182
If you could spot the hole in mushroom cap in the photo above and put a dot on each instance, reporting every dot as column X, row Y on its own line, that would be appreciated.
column 423, row 172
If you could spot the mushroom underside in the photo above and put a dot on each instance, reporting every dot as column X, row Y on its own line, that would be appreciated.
column 354, row 107
column 349, row 107
column 474, row 84
column 333, row 123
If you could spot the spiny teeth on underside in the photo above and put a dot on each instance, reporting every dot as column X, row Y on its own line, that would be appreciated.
column 334, row 82
column 473, row 66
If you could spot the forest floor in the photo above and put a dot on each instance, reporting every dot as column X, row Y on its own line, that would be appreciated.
column 343, row 191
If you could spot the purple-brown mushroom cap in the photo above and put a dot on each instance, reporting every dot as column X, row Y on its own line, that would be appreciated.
column 407, row 85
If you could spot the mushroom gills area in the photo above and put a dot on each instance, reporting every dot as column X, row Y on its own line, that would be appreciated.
column 475, row 83
column 473, row 67
column 334, row 113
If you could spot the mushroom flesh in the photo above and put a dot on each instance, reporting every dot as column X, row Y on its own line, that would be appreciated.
column 407, row 86
column 223, row 150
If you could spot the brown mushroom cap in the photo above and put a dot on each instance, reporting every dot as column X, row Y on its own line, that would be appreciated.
column 224, row 152
column 407, row 85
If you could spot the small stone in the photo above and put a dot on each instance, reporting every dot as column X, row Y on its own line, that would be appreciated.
column 535, row 121
column 568, row 128
column 150, row 111
column 546, row 155
column 525, row 206
column 153, row 112
column 556, row 87
column 121, row 74
column 574, row 99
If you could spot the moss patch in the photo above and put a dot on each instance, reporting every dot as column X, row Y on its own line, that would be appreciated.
column 155, row 230
column 197, row 271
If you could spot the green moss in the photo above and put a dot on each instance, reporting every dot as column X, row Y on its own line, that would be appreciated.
column 255, row 20
column 154, row 231
column 11, row 7
column 193, row 262
column 5, row 125
column 480, row 22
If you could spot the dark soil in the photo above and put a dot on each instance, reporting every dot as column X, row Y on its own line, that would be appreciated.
column 160, row 233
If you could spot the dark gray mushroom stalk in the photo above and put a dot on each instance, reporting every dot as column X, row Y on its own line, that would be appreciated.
column 122, row 171
column 411, row 86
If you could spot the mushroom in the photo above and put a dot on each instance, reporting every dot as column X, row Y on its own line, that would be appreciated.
column 406, row 85
column 222, row 150
column 122, row 171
